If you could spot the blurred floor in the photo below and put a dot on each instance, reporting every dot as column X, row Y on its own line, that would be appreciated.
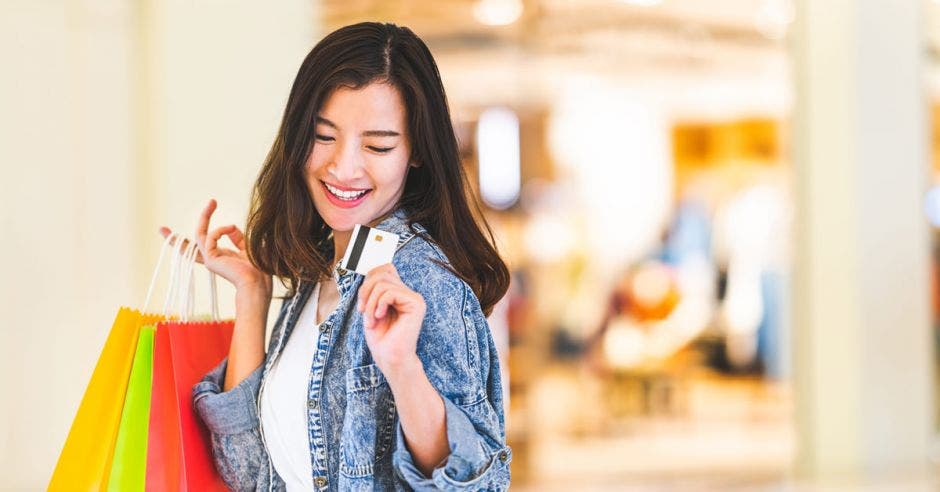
column 742, row 482
column 584, row 427
column 728, row 433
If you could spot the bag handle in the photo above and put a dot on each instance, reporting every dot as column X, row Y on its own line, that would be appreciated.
column 185, row 295
column 153, row 277
column 182, row 264
column 174, row 287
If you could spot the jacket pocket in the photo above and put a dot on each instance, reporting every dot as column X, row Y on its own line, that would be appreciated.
column 368, row 422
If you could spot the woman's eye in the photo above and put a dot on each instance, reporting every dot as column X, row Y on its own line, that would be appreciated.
column 324, row 138
column 381, row 150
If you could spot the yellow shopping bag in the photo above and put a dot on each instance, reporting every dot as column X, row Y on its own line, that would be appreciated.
column 86, row 458
column 85, row 461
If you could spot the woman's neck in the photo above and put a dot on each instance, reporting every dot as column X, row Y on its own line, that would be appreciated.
column 340, row 240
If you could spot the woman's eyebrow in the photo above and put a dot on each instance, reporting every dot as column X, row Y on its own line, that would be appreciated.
column 367, row 133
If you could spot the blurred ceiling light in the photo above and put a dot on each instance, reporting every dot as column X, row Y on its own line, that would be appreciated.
column 643, row 3
column 498, row 157
column 613, row 151
column 774, row 18
column 497, row 12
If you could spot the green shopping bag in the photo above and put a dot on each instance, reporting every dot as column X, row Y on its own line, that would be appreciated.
column 128, row 468
column 85, row 460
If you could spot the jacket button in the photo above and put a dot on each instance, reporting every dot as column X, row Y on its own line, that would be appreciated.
column 503, row 456
column 324, row 327
column 312, row 403
column 320, row 481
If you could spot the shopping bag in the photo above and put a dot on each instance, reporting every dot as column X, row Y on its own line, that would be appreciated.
column 163, row 441
column 85, row 460
column 179, row 456
column 130, row 450
column 87, row 455
column 196, row 349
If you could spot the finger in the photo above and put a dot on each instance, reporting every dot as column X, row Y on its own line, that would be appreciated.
column 389, row 298
column 180, row 242
column 372, row 301
column 368, row 312
column 237, row 237
column 166, row 231
column 365, row 290
column 386, row 269
column 202, row 228
column 400, row 297
column 213, row 238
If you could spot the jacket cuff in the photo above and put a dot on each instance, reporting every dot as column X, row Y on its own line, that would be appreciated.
column 470, row 465
column 227, row 412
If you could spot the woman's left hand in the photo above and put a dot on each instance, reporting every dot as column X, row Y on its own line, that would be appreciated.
column 392, row 314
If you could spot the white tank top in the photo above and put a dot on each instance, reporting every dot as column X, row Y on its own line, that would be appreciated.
column 284, row 401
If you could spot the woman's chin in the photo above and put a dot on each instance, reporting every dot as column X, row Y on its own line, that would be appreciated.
column 340, row 221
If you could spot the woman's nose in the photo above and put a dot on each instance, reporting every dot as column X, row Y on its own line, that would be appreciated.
column 346, row 164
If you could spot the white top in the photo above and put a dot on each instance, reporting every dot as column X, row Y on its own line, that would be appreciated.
column 284, row 401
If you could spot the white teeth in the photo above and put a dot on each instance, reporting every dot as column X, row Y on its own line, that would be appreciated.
column 345, row 195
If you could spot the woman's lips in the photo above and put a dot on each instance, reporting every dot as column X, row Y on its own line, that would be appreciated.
column 335, row 200
column 344, row 188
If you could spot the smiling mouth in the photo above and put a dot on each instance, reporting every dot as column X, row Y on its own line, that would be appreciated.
column 346, row 196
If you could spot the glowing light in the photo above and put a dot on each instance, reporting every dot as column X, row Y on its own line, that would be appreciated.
column 643, row 3
column 498, row 151
column 497, row 12
column 774, row 18
column 612, row 147
column 624, row 344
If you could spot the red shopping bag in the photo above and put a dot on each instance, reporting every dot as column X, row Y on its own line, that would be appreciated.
column 179, row 454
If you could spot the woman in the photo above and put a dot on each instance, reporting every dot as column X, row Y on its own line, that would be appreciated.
column 383, row 381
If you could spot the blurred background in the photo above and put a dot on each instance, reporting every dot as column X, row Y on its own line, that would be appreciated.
column 720, row 216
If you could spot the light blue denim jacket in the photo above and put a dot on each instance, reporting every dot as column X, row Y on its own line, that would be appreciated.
column 356, row 440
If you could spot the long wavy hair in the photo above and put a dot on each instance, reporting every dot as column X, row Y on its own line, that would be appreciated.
column 287, row 238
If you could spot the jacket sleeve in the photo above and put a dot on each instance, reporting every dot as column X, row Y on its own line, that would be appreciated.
column 468, row 383
column 232, row 419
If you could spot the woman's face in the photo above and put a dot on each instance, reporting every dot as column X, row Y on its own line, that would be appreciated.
column 357, row 168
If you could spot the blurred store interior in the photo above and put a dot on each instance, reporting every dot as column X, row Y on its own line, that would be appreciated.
column 720, row 216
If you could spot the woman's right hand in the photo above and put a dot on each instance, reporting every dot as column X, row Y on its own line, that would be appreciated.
column 232, row 265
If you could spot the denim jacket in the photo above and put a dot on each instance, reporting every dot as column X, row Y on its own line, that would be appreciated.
column 356, row 441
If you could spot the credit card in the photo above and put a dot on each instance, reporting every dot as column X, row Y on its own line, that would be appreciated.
column 368, row 248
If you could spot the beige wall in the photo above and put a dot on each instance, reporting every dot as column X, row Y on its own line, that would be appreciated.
column 117, row 117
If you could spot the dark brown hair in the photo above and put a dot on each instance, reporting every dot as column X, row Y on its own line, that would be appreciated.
column 287, row 238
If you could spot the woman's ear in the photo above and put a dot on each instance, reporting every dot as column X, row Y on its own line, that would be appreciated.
column 414, row 164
